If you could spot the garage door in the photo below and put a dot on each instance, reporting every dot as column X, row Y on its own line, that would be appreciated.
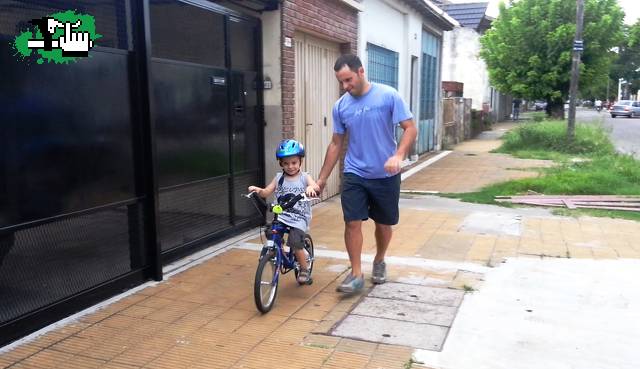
column 316, row 91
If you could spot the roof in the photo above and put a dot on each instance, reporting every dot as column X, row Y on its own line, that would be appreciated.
column 471, row 15
column 433, row 13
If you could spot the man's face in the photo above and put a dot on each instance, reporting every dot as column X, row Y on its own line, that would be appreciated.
column 352, row 82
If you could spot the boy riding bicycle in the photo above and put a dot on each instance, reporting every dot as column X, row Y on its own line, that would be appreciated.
column 293, row 181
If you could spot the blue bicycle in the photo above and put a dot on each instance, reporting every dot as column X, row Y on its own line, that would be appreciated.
column 274, row 259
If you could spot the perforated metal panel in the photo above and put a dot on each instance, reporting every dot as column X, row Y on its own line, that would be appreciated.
column 46, row 263
column 191, row 211
column 112, row 20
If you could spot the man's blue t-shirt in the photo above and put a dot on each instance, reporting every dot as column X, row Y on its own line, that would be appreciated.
column 370, row 120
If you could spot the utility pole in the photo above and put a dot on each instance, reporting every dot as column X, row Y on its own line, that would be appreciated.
column 578, row 47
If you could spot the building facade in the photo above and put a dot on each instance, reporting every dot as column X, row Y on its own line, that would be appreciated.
column 462, row 62
column 407, row 54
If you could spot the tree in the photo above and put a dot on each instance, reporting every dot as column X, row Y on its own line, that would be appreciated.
column 627, row 65
column 528, row 48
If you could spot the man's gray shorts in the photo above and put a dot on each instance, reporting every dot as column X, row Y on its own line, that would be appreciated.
column 371, row 198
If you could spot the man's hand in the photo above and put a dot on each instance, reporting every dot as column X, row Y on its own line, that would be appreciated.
column 392, row 166
column 321, row 184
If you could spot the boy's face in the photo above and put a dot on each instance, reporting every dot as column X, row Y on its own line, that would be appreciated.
column 291, row 165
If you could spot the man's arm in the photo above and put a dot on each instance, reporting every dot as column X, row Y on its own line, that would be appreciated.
column 392, row 166
column 330, row 159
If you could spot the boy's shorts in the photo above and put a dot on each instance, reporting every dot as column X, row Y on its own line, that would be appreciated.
column 371, row 198
column 295, row 240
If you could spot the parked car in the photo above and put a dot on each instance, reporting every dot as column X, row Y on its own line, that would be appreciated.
column 540, row 105
column 625, row 108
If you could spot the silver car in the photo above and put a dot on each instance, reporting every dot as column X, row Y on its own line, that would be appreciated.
column 626, row 108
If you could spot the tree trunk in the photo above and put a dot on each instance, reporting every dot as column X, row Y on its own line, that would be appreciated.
column 555, row 109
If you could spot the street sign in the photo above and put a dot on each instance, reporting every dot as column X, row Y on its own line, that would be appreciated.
column 578, row 45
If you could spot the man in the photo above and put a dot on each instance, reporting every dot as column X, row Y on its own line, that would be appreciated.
column 516, row 108
column 598, row 105
column 369, row 113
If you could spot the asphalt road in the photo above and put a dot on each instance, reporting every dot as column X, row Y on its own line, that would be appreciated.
column 624, row 132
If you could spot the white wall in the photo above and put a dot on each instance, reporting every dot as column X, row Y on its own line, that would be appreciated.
column 461, row 62
column 273, row 97
column 394, row 26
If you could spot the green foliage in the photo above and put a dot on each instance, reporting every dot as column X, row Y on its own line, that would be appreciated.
column 538, row 116
column 628, row 61
column 551, row 136
column 528, row 48
column 601, row 172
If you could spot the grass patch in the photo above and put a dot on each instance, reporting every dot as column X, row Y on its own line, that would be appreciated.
column 604, row 173
column 544, row 138
column 409, row 364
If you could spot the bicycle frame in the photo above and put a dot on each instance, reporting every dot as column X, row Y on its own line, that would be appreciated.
column 285, row 261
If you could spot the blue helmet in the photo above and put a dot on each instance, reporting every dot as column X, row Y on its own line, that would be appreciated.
column 289, row 148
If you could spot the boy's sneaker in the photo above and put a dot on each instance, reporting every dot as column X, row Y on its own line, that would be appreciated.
column 379, row 274
column 304, row 277
column 351, row 284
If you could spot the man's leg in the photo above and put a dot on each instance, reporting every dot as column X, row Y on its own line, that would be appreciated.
column 353, row 242
column 383, row 238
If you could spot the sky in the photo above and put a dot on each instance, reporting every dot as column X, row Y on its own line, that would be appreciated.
column 630, row 7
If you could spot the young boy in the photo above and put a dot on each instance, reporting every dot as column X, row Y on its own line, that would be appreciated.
column 293, row 181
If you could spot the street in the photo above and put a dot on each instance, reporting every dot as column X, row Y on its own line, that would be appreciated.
column 624, row 132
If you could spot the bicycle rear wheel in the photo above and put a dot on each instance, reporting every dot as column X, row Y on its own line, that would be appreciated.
column 308, row 248
column 264, row 288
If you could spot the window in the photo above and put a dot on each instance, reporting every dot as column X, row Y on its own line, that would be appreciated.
column 383, row 65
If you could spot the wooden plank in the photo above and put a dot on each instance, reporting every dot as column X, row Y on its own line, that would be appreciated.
column 579, row 197
column 609, row 203
column 610, row 208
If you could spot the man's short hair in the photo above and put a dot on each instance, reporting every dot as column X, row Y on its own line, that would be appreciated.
column 350, row 60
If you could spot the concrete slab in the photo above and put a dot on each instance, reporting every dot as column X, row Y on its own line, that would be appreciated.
column 548, row 313
column 415, row 293
column 492, row 223
column 394, row 332
column 407, row 311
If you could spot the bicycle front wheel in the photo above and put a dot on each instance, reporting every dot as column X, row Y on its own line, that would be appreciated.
column 265, row 288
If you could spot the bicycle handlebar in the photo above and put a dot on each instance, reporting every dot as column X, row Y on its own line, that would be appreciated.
column 280, row 207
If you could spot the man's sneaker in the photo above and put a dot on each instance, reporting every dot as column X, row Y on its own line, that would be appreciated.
column 304, row 277
column 379, row 274
column 351, row 284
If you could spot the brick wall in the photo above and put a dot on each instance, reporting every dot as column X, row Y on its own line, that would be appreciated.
column 329, row 19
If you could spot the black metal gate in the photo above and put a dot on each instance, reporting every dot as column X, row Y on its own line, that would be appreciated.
column 112, row 161
column 208, row 143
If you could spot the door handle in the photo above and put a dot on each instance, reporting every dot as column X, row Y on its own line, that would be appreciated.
column 238, row 109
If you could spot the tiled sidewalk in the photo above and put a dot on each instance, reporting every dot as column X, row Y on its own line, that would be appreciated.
column 205, row 317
